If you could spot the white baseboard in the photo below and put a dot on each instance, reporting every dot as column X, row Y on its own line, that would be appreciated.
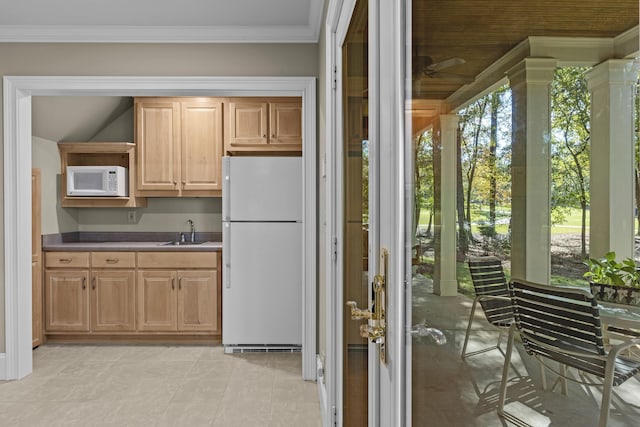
column 3, row 366
column 325, row 411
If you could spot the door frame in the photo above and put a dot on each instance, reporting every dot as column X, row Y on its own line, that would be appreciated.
column 389, row 71
column 17, row 361
column 389, row 381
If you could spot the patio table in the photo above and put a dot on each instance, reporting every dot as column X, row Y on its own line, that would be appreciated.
column 619, row 315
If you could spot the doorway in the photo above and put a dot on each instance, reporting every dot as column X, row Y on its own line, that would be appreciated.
column 17, row 188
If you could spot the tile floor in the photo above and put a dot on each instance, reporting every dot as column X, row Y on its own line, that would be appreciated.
column 75, row 385
column 200, row 386
column 451, row 392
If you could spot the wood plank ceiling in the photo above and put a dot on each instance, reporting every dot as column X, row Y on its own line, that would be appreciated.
column 480, row 32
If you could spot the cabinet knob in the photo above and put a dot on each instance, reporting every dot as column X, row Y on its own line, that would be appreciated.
column 84, row 283
column 180, row 283
column 112, row 260
column 93, row 286
column 65, row 260
column 173, row 283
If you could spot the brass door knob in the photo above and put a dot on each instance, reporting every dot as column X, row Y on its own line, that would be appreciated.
column 358, row 313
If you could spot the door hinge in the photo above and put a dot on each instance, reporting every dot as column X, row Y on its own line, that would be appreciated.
column 334, row 416
column 334, row 80
column 334, row 250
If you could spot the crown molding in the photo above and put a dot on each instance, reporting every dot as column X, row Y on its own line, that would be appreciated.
column 157, row 34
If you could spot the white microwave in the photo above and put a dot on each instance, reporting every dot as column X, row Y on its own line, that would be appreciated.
column 110, row 181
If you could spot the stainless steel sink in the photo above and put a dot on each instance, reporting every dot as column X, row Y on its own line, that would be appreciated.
column 178, row 243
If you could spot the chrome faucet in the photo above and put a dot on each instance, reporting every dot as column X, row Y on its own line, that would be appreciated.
column 193, row 230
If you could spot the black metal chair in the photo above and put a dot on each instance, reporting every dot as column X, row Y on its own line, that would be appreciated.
column 563, row 325
column 491, row 290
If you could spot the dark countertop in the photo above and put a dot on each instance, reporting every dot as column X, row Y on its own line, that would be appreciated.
column 128, row 242
column 132, row 246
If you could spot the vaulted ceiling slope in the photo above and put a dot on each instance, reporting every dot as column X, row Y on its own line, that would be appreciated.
column 166, row 21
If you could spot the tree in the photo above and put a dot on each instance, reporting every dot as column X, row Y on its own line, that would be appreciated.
column 423, row 179
column 464, row 227
column 471, row 146
column 494, row 104
column 570, row 120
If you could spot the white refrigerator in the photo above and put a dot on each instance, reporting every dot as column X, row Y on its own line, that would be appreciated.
column 262, row 252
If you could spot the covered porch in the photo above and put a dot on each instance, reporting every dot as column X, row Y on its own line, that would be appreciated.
column 450, row 391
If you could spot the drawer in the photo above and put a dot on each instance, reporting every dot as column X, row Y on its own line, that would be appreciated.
column 113, row 259
column 178, row 260
column 66, row 259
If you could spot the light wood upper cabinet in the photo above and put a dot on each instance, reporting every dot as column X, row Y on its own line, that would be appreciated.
column 246, row 125
column 67, row 300
column 285, row 124
column 201, row 145
column 113, row 300
column 157, row 131
column 179, row 144
column 263, row 124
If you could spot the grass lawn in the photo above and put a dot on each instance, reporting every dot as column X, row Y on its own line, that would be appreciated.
column 465, row 285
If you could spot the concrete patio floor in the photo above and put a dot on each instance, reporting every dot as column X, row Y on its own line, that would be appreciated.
column 448, row 391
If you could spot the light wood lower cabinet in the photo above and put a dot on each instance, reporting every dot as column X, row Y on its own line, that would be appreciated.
column 113, row 299
column 67, row 300
column 138, row 294
column 198, row 301
column 179, row 300
column 157, row 301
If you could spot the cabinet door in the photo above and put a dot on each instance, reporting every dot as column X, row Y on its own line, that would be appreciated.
column 67, row 300
column 36, row 304
column 246, row 126
column 113, row 300
column 198, row 299
column 201, row 145
column 285, row 125
column 157, row 300
column 157, row 143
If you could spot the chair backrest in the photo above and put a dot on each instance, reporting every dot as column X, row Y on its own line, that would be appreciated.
column 559, row 323
column 488, row 280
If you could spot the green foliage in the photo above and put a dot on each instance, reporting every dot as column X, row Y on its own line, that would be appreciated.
column 630, row 273
column 608, row 271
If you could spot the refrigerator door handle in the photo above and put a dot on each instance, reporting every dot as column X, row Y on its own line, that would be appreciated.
column 226, row 189
column 226, row 253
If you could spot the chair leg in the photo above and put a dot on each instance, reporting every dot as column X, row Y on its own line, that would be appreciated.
column 466, row 337
column 505, row 372
column 563, row 384
column 606, row 393
column 543, row 374
column 500, row 332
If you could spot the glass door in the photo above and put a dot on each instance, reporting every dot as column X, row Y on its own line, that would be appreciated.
column 355, row 213
column 373, row 209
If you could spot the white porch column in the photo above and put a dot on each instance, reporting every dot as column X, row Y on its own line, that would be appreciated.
column 611, row 84
column 530, row 82
column 445, row 282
